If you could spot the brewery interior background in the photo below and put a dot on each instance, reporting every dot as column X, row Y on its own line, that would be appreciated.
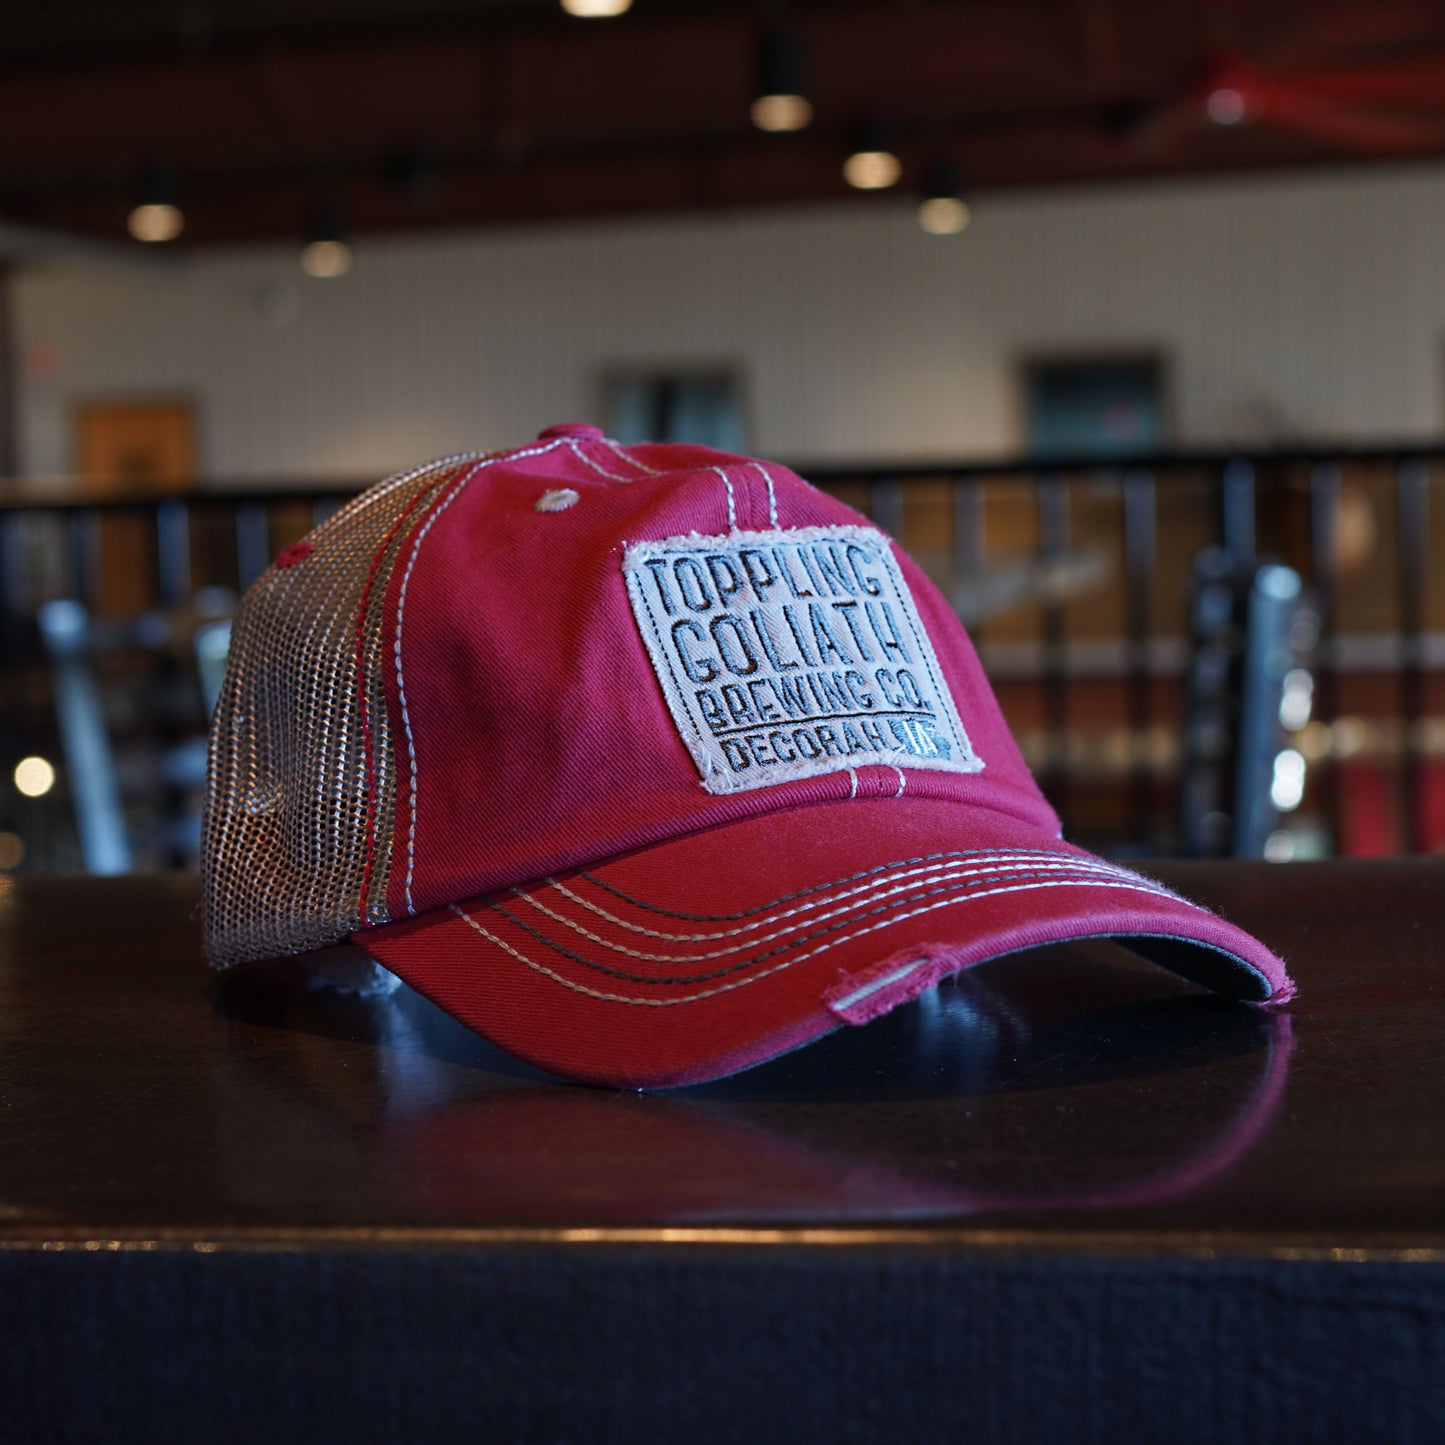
column 1126, row 319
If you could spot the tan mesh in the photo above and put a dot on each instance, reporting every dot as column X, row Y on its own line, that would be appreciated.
column 285, row 826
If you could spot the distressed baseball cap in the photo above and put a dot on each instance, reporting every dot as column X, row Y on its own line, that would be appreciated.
column 648, row 763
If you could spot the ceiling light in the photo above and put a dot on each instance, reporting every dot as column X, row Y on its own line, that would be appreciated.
column 155, row 221
column 872, row 170
column 596, row 9
column 326, row 259
column 155, row 216
column 872, row 166
column 944, row 215
column 326, row 253
column 781, row 112
column 943, row 210
column 779, row 103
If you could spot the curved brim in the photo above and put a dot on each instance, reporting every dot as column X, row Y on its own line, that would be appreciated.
column 700, row 956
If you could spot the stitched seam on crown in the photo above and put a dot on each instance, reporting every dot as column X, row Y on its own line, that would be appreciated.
column 765, row 973
column 396, row 648
column 459, row 483
column 576, row 449
column 1013, row 854
column 772, row 494
column 629, row 458
column 732, row 502
column 428, row 495
column 850, row 916
column 999, row 868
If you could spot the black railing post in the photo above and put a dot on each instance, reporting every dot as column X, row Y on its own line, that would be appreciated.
column 1052, row 498
column 1236, row 513
column 1140, row 554
column 173, row 552
column 325, row 507
column 85, row 557
column 1412, row 514
column 1324, row 494
column 968, row 523
column 253, row 542
column 885, row 505
column 12, row 658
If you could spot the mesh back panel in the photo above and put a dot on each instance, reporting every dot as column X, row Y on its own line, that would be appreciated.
column 287, row 811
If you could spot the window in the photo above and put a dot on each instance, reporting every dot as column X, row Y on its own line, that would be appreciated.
column 691, row 406
column 1094, row 407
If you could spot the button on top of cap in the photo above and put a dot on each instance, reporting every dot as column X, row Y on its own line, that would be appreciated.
column 581, row 429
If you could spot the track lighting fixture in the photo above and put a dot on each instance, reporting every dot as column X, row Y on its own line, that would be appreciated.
column 872, row 164
column 943, row 210
column 779, row 102
column 155, row 217
column 326, row 253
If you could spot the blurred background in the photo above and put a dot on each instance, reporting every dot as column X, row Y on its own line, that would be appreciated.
column 1127, row 319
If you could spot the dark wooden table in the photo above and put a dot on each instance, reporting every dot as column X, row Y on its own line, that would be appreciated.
column 1061, row 1199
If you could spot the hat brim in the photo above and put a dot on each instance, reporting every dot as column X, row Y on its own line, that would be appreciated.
column 703, row 955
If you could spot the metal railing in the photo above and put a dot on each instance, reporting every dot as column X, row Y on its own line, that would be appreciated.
column 1072, row 574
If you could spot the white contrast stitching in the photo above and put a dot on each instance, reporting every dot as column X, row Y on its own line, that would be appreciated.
column 902, row 782
column 1006, row 855
column 786, row 963
column 732, row 505
column 401, row 691
column 576, row 448
column 852, row 782
column 821, row 895
column 772, row 494
column 396, row 647
column 871, row 893
column 629, row 458
column 383, row 490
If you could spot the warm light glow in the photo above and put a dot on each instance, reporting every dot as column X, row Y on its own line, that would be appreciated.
column 943, row 215
column 595, row 8
column 155, row 221
column 1315, row 741
column 326, row 258
column 1226, row 106
column 781, row 112
column 872, row 170
column 12, row 851
column 1349, row 736
column 34, row 777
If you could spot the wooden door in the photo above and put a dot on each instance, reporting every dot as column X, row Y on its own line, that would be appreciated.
column 127, row 449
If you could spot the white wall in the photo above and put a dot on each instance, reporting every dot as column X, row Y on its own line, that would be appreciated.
column 1304, row 305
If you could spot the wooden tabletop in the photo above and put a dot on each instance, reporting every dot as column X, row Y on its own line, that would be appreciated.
column 1067, row 1093
column 1069, row 1104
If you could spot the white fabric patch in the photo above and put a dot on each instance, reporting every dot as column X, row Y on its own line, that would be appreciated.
column 792, row 653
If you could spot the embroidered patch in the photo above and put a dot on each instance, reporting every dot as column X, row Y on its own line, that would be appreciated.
column 793, row 653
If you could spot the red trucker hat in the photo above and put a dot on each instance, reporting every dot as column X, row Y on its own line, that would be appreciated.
column 647, row 763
